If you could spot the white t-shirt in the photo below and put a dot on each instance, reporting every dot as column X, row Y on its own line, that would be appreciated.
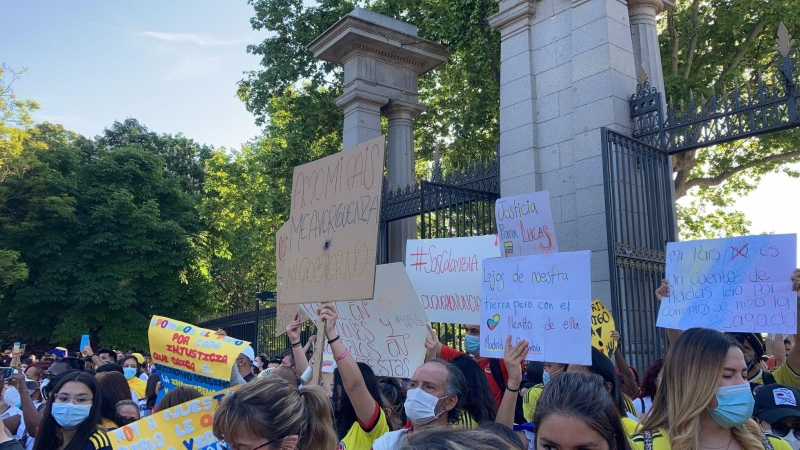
column 643, row 405
column 392, row 440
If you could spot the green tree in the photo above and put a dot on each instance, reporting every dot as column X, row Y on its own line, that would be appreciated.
column 110, row 237
column 724, row 44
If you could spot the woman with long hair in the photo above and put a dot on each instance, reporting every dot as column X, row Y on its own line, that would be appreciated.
column 576, row 412
column 71, row 418
column 603, row 366
column 358, row 406
column 647, row 391
column 151, row 391
column 115, row 389
column 479, row 405
column 271, row 414
column 177, row 396
column 704, row 400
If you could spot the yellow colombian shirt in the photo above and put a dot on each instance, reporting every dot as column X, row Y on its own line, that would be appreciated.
column 138, row 386
column 362, row 436
column 530, row 400
column 661, row 441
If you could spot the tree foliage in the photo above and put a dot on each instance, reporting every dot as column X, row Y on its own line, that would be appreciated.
column 724, row 44
column 110, row 232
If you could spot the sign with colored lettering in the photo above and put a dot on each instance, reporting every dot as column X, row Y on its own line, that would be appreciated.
column 546, row 299
column 285, row 313
column 740, row 284
column 447, row 275
column 186, row 355
column 186, row 426
column 602, row 327
column 333, row 237
column 525, row 224
column 388, row 331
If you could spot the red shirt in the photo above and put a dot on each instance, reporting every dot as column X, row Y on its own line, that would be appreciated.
column 448, row 354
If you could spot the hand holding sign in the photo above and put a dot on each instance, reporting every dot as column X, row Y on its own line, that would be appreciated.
column 662, row 291
column 796, row 282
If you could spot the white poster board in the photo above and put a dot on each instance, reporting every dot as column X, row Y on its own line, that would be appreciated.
column 525, row 224
column 740, row 284
column 447, row 275
column 546, row 299
column 334, row 218
column 387, row 332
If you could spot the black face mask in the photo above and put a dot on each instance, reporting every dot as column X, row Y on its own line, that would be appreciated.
column 750, row 361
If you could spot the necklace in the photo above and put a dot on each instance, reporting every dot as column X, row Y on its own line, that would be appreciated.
column 720, row 448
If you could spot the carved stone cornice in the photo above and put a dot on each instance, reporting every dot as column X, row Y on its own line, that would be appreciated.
column 511, row 13
column 659, row 5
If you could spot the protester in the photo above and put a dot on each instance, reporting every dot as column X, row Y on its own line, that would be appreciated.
column 177, row 396
column 704, row 399
column 493, row 369
column 287, row 374
column 103, row 356
column 628, row 377
column 602, row 366
column 504, row 433
column 151, row 390
column 270, row 414
column 575, row 412
column 71, row 418
column 130, row 369
column 778, row 412
column 10, row 414
column 531, row 397
column 652, row 378
column 115, row 389
column 477, row 439
column 127, row 411
column 244, row 363
column 434, row 400
column 478, row 404
column 31, row 408
column 393, row 398
column 261, row 362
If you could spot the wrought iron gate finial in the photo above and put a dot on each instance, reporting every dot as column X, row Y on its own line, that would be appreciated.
column 785, row 43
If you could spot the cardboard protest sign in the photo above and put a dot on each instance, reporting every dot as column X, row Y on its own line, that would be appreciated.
column 602, row 327
column 387, row 332
column 187, row 355
column 333, row 237
column 525, row 224
column 186, row 426
column 447, row 275
column 545, row 299
column 740, row 284
column 284, row 313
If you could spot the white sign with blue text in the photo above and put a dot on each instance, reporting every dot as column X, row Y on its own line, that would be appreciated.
column 740, row 284
column 546, row 299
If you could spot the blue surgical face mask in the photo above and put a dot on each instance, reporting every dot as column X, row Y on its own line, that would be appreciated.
column 735, row 405
column 69, row 415
column 129, row 372
column 545, row 377
column 472, row 344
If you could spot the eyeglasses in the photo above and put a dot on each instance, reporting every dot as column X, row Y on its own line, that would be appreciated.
column 49, row 374
column 780, row 429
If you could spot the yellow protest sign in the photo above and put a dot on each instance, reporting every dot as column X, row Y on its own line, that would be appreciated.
column 602, row 327
column 192, row 355
column 186, row 426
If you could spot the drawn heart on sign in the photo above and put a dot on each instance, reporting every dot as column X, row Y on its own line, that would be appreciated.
column 493, row 322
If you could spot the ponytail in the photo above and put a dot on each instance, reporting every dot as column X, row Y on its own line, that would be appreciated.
column 320, row 433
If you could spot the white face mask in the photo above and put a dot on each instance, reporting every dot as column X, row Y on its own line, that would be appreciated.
column 11, row 396
column 420, row 406
column 791, row 440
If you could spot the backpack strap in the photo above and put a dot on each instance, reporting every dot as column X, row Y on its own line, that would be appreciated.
column 497, row 373
column 648, row 440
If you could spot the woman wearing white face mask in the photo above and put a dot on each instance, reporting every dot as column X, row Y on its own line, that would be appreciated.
column 704, row 400
column 10, row 413
column 777, row 410
column 72, row 416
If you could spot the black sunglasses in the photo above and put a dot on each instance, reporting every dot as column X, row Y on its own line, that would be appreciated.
column 780, row 429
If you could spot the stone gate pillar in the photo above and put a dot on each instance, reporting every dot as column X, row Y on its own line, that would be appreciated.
column 567, row 70
column 644, row 36
column 383, row 59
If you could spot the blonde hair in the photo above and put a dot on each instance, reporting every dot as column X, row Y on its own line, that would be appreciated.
column 692, row 370
column 271, row 408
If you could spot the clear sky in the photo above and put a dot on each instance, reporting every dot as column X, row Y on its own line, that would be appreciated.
column 173, row 65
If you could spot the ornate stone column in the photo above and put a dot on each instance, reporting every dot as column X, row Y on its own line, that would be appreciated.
column 644, row 36
column 383, row 59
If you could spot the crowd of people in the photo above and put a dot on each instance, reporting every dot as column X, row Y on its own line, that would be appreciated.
column 712, row 391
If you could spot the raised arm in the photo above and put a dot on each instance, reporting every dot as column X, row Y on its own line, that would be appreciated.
column 793, row 360
column 299, row 353
column 512, row 357
column 360, row 398
column 631, row 386
column 661, row 292
column 31, row 416
column 433, row 348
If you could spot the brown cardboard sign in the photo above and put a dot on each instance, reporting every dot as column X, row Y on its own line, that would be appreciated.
column 284, row 313
column 334, row 221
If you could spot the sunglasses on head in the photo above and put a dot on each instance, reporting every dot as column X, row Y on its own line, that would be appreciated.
column 780, row 429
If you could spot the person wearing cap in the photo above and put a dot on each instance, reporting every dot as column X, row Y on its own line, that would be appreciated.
column 753, row 349
column 140, row 359
column 777, row 411
column 245, row 364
